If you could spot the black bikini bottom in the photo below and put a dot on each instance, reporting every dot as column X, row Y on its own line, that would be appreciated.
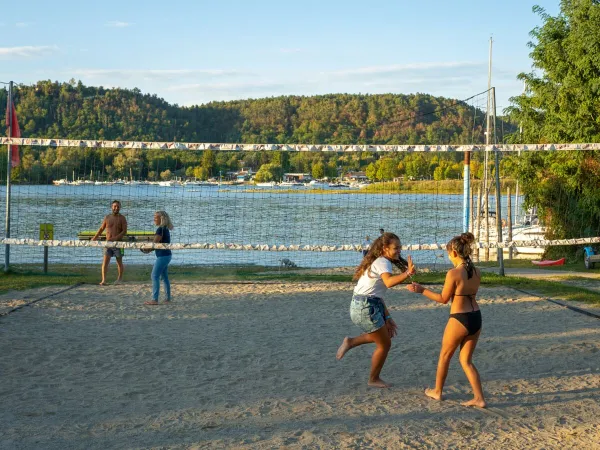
column 470, row 320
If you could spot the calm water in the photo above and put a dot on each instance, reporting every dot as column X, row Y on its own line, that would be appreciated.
column 237, row 214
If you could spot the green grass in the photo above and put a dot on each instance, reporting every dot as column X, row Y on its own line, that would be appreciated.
column 21, row 278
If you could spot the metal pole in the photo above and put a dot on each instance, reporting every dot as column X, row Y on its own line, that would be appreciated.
column 500, row 251
column 8, row 167
column 466, row 192
column 471, row 219
column 517, row 201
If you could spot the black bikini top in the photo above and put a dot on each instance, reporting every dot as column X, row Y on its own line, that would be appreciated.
column 471, row 296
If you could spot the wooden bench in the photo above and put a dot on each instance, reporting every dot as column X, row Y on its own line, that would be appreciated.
column 131, row 236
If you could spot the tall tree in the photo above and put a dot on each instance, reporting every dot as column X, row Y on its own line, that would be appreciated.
column 562, row 104
column 562, row 98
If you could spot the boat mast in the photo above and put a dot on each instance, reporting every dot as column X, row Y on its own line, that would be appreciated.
column 488, row 141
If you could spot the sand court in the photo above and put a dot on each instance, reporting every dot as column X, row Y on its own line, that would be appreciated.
column 252, row 365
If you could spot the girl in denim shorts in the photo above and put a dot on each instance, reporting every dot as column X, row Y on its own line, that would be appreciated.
column 368, row 310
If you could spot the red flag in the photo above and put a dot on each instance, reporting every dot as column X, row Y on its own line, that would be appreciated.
column 14, row 132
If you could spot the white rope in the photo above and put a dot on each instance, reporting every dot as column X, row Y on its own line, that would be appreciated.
column 292, row 147
column 283, row 248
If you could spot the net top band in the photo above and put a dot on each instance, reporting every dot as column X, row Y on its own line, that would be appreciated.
column 43, row 142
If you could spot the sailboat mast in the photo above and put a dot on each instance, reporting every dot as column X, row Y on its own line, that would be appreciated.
column 488, row 141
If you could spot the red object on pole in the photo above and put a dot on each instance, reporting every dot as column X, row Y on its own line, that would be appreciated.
column 14, row 132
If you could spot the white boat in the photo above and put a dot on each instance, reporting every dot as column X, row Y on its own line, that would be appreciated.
column 527, row 229
column 61, row 182
column 194, row 183
column 267, row 184
column 316, row 184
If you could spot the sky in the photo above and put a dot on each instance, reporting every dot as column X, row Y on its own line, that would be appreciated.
column 194, row 51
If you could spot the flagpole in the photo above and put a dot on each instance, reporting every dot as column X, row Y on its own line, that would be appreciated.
column 9, row 111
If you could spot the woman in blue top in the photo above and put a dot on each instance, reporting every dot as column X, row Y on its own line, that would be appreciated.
column 163, row 257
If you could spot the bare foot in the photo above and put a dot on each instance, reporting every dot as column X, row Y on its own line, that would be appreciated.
column 475, row 402
column 117, row 282
column 102, row 283
column 151, row 303
column 378, row 383
column 343, row 348
column 431, row 393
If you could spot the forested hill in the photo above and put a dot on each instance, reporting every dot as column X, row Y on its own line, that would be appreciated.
column 73, row 110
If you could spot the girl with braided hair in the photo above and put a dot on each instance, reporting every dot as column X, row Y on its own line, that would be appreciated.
column 464, row 326
column 368, row 310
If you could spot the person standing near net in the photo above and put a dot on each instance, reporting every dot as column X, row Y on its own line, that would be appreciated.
column 368, row 310
column 366, row 245
column 163, row 257
column 115, row 225
column 464, row 326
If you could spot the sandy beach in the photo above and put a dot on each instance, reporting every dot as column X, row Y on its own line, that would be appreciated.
column 252, row 365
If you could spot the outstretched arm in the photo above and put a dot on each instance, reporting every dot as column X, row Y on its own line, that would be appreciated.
column 444, row 297
column 392, row 280
column 100, row 230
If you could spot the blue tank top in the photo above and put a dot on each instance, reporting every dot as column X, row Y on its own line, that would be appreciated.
column 165, row 238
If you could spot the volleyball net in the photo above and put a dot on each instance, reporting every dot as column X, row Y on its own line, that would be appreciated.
column 309, row 204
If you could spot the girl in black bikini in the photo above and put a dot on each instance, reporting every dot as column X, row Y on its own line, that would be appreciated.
column 464, row 325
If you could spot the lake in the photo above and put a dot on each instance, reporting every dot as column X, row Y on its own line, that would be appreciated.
column 234, row 214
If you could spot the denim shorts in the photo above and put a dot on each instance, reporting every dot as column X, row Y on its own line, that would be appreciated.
column 367, row 312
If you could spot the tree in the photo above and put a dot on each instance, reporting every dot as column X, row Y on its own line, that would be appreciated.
column 201, row 173
column 387, row 169
column 318, row 170
column 562, row 100
column 561, row 105
column 208, row 160
column 268, row 172
column 371, row 171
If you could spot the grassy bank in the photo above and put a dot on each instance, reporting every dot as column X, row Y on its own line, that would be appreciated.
column 391, row 187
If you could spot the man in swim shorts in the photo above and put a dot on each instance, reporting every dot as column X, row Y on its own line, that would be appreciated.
column 115, row 225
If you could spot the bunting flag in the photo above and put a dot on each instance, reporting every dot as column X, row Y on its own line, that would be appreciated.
column 14, row 132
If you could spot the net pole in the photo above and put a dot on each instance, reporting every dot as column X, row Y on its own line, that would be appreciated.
column 8, row 167
column 498, row 191
column 466, row 192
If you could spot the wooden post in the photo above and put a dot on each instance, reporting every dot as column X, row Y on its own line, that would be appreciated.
column 478, row 227
column 45, row 259
column 509, row 221
column 486, row 217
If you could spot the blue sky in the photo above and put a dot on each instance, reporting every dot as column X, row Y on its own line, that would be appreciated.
column 192, row 52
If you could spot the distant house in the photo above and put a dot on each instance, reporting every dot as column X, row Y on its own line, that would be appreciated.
column 355, row 176
column 296, row 177
column 244, row 175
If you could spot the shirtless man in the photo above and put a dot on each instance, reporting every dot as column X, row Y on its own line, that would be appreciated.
column 116, row 227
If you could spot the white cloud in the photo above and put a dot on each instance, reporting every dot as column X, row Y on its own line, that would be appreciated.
column 402, row 68
column 118, row 24
column 152, row 74
column 28, row 51
column 22, row 24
